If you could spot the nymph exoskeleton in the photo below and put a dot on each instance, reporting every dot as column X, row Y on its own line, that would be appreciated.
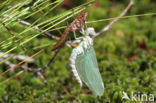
column 76, row 25
column 84, row 64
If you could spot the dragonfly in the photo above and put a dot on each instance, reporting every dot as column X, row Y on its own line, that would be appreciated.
column 85, row 67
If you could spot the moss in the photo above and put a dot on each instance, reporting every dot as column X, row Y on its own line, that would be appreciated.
column 113, row 49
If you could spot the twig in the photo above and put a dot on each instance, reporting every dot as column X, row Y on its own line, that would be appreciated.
column 40, row 74
column 50, row 61
column 8, row 29
column 116, row 19
column 35, row 27
column 18, row 57
column 38, row 29
column 34, row 70
column 20, row 63
column 51, row 23
column 49, row 35
column 66, row 91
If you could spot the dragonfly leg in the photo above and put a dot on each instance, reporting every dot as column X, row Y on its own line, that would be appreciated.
column 83, row 31
column 89, row 40
column 85, row 25
column 79, row 38
column 74, row 34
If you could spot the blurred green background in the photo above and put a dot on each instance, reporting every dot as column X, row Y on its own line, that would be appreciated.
column 125, row 54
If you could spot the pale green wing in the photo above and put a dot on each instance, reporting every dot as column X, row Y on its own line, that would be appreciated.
column 87, row 68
